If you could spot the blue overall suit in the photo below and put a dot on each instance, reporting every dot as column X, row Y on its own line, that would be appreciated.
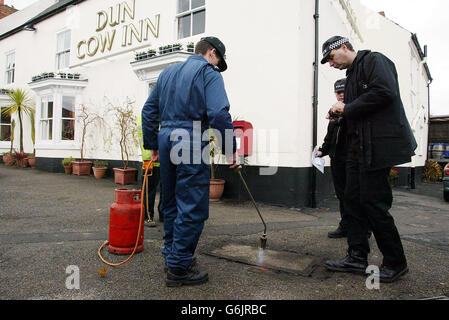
column 184, row 93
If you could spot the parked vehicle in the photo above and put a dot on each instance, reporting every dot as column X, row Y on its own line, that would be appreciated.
column 446, row 182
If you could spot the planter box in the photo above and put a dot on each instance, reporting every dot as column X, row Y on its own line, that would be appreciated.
column 99, row 172
column 81, row 168
column 216, row 189
column 125, row 176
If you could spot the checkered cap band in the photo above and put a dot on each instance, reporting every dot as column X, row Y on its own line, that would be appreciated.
column 335, row 45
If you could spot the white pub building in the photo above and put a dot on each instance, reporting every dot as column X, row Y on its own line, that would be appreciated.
column 105, row 53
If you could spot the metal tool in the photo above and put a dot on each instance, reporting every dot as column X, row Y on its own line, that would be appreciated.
column 263, row 238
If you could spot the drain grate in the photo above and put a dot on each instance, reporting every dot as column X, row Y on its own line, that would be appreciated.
column 290, row 262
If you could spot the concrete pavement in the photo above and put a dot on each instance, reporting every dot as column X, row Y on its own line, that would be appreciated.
column 50, row 221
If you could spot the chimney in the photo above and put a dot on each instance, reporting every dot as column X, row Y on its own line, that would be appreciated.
column 382, row 13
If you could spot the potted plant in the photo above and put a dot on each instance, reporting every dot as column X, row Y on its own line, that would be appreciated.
column 216, row 187
column 6, row 158
column 67, row 164
column 70, row 75
column 393, row 177
column 151, row 53
column 190, row 47
column 100, row 167
column 127, row 126
column 177, row 47
column 86, row 118
column 62, row 75
column 19, row 159
column 76, row 76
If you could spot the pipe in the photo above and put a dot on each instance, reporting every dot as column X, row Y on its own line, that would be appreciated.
column 313, row 172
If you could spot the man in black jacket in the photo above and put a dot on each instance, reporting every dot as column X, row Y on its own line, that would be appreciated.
column 334, row 145
column 379, row 137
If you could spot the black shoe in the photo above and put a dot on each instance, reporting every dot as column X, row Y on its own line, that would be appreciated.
column 389, row 274
column 191, row 266
column 355, row 262
column 178, row 277
column 339, row 233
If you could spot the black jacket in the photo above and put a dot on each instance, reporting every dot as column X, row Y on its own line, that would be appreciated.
column 334, row 143
column 375, row 114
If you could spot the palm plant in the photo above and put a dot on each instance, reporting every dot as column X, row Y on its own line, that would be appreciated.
column 20, row 103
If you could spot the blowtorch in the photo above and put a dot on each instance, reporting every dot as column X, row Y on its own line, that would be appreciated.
column 263, row 237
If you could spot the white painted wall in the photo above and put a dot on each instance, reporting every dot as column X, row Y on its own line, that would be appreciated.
column 270, row 53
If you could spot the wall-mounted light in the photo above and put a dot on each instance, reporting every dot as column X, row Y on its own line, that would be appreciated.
column 29, row 27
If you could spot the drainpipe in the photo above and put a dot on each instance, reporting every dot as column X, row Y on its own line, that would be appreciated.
column 313, row 170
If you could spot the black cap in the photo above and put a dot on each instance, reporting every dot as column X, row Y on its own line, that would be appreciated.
column 331, row 44
column 339, row 85
column 221, row 49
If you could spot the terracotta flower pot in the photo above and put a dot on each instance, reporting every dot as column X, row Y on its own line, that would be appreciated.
column 81, row 168
column 216, row 189
column 32, row 162
column 99, row 172
column 125, row 176
column 68, row 169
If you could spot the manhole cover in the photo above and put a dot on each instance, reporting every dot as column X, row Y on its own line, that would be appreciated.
column 290, row 262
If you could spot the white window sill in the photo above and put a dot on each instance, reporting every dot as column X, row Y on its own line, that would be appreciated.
column 57, row 146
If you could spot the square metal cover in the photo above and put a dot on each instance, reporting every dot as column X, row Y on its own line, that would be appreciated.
column 285, row 261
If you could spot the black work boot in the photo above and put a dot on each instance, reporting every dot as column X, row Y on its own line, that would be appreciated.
column 339, row 233
column 191, row 266
column 177, row 277
column 390, row 274
column 356, row 262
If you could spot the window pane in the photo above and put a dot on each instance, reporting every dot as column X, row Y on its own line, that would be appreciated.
column 199, row 22
column 68, row 129
column 184, row 27
column 197, row 3
column 68, row 107
column 44, row 130
column 5, row 132
column 183, row 5
column 50, row 129
column 5, row 118
column 60, row 42
column 67, row 40
column 50, row 109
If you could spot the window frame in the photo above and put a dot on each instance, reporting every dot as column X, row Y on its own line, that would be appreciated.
column 46, row 100
column 190, row 13
column 10, row 69
column 61, row 120
column 63, row 52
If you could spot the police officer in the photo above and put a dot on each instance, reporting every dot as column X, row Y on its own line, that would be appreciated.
column 334, row 145
column 379, row 137
column 188, row 97
column 153, row 180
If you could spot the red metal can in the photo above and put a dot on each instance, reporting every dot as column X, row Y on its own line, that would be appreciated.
column 124, row 218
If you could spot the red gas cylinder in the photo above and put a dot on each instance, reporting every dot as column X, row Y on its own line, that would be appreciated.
column 124, row 216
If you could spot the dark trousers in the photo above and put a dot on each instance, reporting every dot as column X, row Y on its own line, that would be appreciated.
column 368, row 197
column 338, row 170
column 150, row 194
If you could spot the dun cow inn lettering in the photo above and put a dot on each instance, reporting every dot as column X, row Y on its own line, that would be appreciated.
column 116, row 16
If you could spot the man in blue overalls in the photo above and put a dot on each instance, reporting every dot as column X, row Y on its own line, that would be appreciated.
column 187, row 99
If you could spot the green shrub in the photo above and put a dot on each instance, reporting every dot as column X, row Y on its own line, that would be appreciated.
column 100, row 163
column 67, row 161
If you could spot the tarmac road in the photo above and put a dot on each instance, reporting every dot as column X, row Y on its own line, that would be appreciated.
column 51, row 221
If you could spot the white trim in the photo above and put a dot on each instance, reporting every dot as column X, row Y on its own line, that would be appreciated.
column 149, row 70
